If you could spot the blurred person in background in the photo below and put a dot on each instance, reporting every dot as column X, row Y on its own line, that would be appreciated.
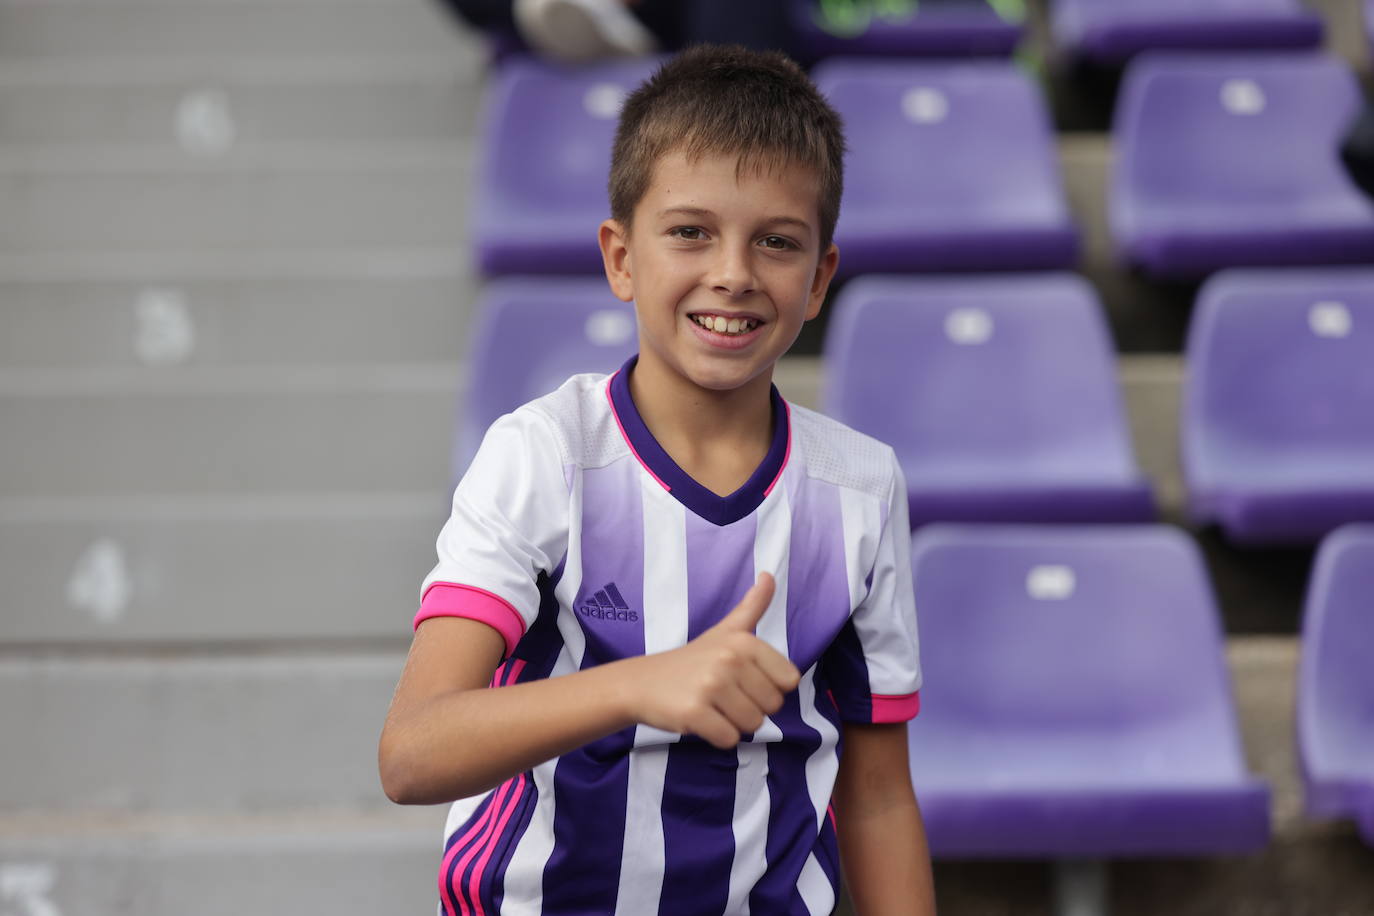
column 581, row 30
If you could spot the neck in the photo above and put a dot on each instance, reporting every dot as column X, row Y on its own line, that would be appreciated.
column 683, row 416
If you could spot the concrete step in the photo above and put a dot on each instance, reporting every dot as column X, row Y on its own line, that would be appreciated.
column 205, row 571
column 300, row 861
column 196, row 732
column 341, row 309
column 206, row 110
column 116, row 433
column 297, row 198
column 246, row 30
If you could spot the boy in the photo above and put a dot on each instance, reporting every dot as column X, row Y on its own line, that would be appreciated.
column 687, row 594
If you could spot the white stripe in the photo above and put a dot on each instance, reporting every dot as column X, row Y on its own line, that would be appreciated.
column 664, row 614
column 813, row 885
column 772, row 541
column 861, row 517
column 887, row 627
column 823, row 764
column 524, row 878
column 752, row 809
column 641, row 859
column 821, row 769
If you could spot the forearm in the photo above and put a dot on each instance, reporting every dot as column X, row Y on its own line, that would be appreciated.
column 886, row 861
column 464, row 742
column 882, row 839
column 448, row 735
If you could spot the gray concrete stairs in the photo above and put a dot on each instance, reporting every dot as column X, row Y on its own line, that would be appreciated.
column 234, row 296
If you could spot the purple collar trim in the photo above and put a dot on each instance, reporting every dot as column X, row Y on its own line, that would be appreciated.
column 719, row 510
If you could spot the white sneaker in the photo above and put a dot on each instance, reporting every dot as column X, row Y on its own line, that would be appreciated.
column 579, row 30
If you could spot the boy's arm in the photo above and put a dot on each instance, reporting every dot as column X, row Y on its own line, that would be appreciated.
column 447, row 736
column 882, row 840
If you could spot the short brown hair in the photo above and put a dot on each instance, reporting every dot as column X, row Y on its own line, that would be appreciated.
column 714, row 99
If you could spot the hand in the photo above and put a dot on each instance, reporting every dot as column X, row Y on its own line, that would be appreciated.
column 721, row 684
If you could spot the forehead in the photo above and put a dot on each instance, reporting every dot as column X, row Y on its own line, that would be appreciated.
column 715, row 180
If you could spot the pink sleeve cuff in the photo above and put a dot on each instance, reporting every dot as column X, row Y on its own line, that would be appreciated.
column 445, row 599
column 896, row 709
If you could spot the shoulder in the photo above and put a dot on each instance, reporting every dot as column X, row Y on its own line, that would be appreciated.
column 843, row 457
column 579, row 419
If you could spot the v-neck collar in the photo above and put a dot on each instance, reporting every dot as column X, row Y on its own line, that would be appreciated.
column 719, row 510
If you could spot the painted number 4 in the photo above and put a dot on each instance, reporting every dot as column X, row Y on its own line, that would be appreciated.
column 26, row 890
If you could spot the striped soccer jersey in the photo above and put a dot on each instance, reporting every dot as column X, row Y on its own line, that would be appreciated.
column 577, row 537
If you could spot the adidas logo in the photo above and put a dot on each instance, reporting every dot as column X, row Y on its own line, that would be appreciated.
column 607, row 604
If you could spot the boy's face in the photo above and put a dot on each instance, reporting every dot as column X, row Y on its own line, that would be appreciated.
column 740, row 254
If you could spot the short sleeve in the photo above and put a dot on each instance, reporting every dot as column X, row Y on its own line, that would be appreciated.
column 873, row 669
column 508, row 524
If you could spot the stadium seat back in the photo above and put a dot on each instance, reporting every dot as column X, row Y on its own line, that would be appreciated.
column 1063, row 633
column 1336, row 682
column 963, row 374
column 1227, row 160
column 531, row 335
column 1284, row 363
column 546, row 139
column 1109, row 31
column 1075, row 698
column 929, row 181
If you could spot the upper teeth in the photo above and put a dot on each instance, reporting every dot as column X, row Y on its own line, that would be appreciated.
column 723, row 325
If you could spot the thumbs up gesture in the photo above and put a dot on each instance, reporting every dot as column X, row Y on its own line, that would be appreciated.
column 721, row 684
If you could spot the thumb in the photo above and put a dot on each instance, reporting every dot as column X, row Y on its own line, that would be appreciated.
column 746, row 615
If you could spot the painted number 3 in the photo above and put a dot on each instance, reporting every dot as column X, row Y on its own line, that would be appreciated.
column 26, row 890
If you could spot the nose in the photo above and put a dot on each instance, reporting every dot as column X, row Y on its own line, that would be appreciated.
column 732, row 271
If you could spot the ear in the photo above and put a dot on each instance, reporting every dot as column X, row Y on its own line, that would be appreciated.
column 820, row 283
column 615, row 257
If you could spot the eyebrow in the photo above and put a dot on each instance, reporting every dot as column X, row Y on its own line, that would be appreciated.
column 698, row 212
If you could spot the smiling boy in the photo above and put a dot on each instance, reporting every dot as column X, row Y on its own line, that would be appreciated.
column 672, row 615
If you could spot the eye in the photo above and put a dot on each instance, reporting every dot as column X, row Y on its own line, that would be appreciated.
column 687, row 233
column 776, row 242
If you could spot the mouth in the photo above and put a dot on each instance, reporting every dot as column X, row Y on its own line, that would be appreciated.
column 726, row 326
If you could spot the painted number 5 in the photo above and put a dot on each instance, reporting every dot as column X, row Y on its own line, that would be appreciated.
column 26, row 889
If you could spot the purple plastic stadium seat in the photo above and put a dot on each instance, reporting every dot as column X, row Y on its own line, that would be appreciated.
column 999, row 394
column 1076, row 700
column 540, row 190
column 1230, row 160
column 1336, row 682
column 532, row 334
column 1109, row 31
column 1278, row 413
column 934, row 28
column 952, row 166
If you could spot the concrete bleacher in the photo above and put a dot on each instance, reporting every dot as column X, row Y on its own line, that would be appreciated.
column 235, row 297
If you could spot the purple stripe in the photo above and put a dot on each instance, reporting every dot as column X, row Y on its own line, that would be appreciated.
column 591, row 783
column 613, row 530
column 718, row 510
column 698, row 837
column 843, row 673
column 542, row 643
column 720, row 569
column 792, row 822
column 818, row 602
column 699, row 786
column 589, row 787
